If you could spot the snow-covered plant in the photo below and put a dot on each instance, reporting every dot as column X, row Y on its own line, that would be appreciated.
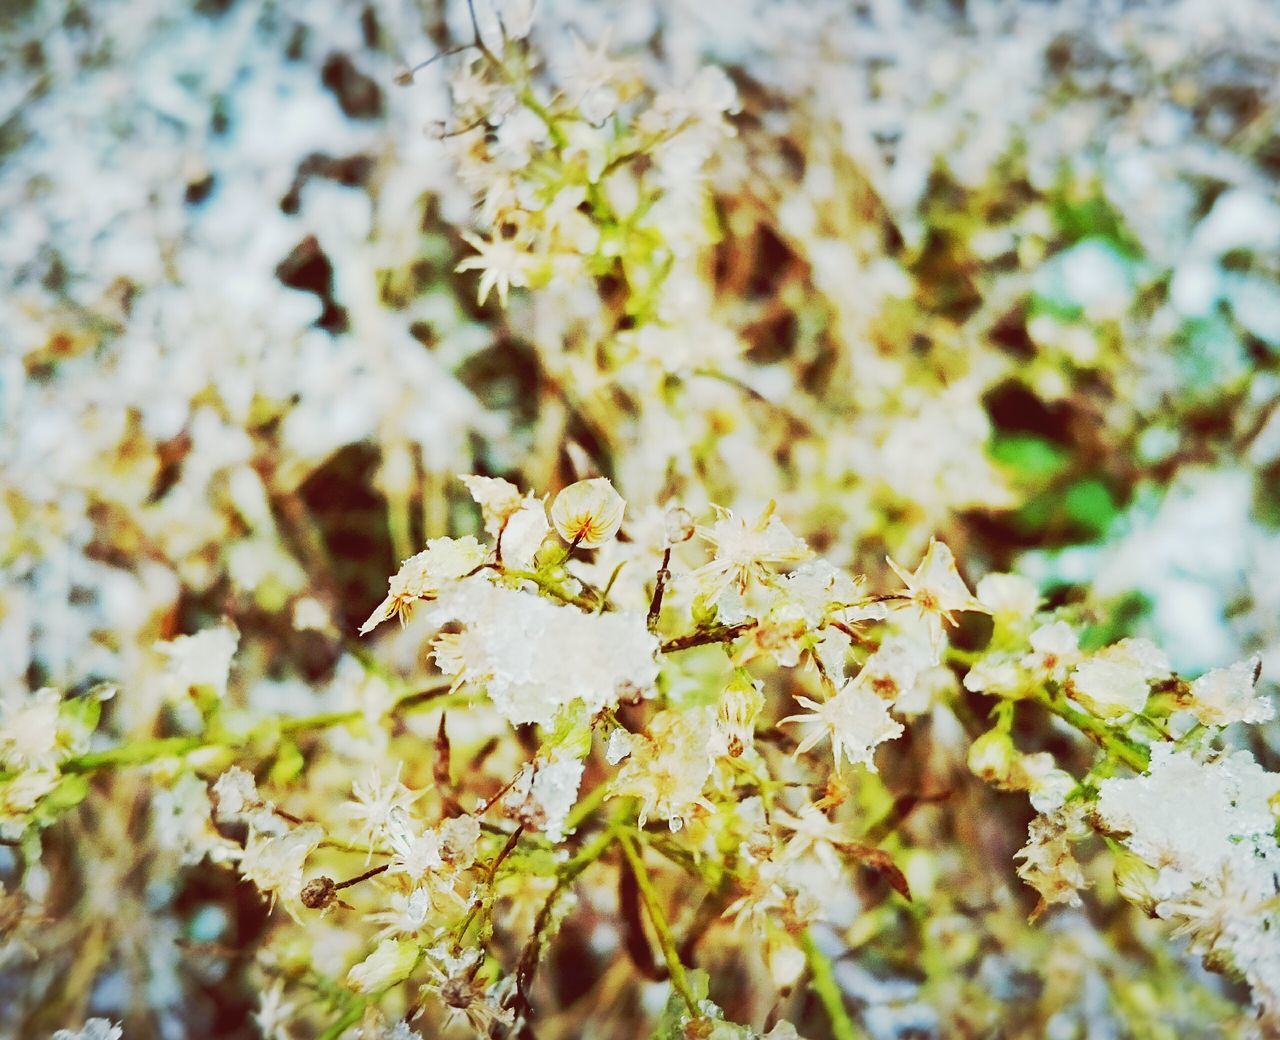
column 832, row 460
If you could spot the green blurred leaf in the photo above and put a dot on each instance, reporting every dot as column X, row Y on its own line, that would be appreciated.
column 69, row 793
column 1090, row 504
column 288, row 765
column 1033, row 458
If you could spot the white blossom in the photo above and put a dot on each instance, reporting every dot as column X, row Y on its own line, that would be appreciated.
column 274, row 863
column 534, row 657
column 201, row 661
column 743, row 550
column 1116, row 680
column 29, row 730
column 422, row 576
column 1227, row 695
column 856, row 720
column 588, row 512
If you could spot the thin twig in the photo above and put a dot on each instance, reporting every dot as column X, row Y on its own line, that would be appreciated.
column 706, row 636
column 659, row 587
column 373, row 872
column 649, row 896
column 405, row 77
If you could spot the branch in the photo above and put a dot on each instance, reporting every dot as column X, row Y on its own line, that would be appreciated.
column 1135, row 756
column 658, row 919
column 706, row 636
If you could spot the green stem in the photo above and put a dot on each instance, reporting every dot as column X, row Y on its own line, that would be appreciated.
column 551, row 586
column 588, row 854
column 144, row 751
column 649, row 896
column 586, row 805
column 133, row 754
column 554, row 129
column 824, row 985
column 1133, row 755
column 349, row 1018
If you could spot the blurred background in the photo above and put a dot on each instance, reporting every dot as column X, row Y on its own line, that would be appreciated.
column 1003, row 272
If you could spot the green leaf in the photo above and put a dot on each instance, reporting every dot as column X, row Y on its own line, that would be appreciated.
column 1090, row 504
column 69, row 793
column 570, row 731
column 288, row 765
column 1033, row 458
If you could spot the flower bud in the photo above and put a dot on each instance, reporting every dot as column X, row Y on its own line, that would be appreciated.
column 740, row 705
column 993, row 758
column 588, row 512
column 785, row 958
column 1136, row 880
column 390, row 963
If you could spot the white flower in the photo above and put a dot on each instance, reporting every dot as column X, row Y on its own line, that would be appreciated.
column 200, row 661
column 544, row 793
column 995, row 673
column 1048, row 863
column 373, row 802
column 1188, row 817
column 502, row 263
column 273, row 1013
column 413, row 854
column 275, row 864
column 894, row 667
column 1047, row 785
column 422, row 576
column 1115, row 681
column 523, row 533
column 781, row 632
column 498, row 499
column 743, row 550
column 855, row 719
column 937, row 590
column 20, row 796
column 821, row 589
column 406, row 913
column 1055, row 647
column 1009, row 595
column 534, row 656
column 234, row 792
column 182, row 819
column 588, row 513
column 1227, row 695
column 668, row 766
column 459, row 840
column 310, row 615
column 813, row 832
column 593, row 80
column 29, row 731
